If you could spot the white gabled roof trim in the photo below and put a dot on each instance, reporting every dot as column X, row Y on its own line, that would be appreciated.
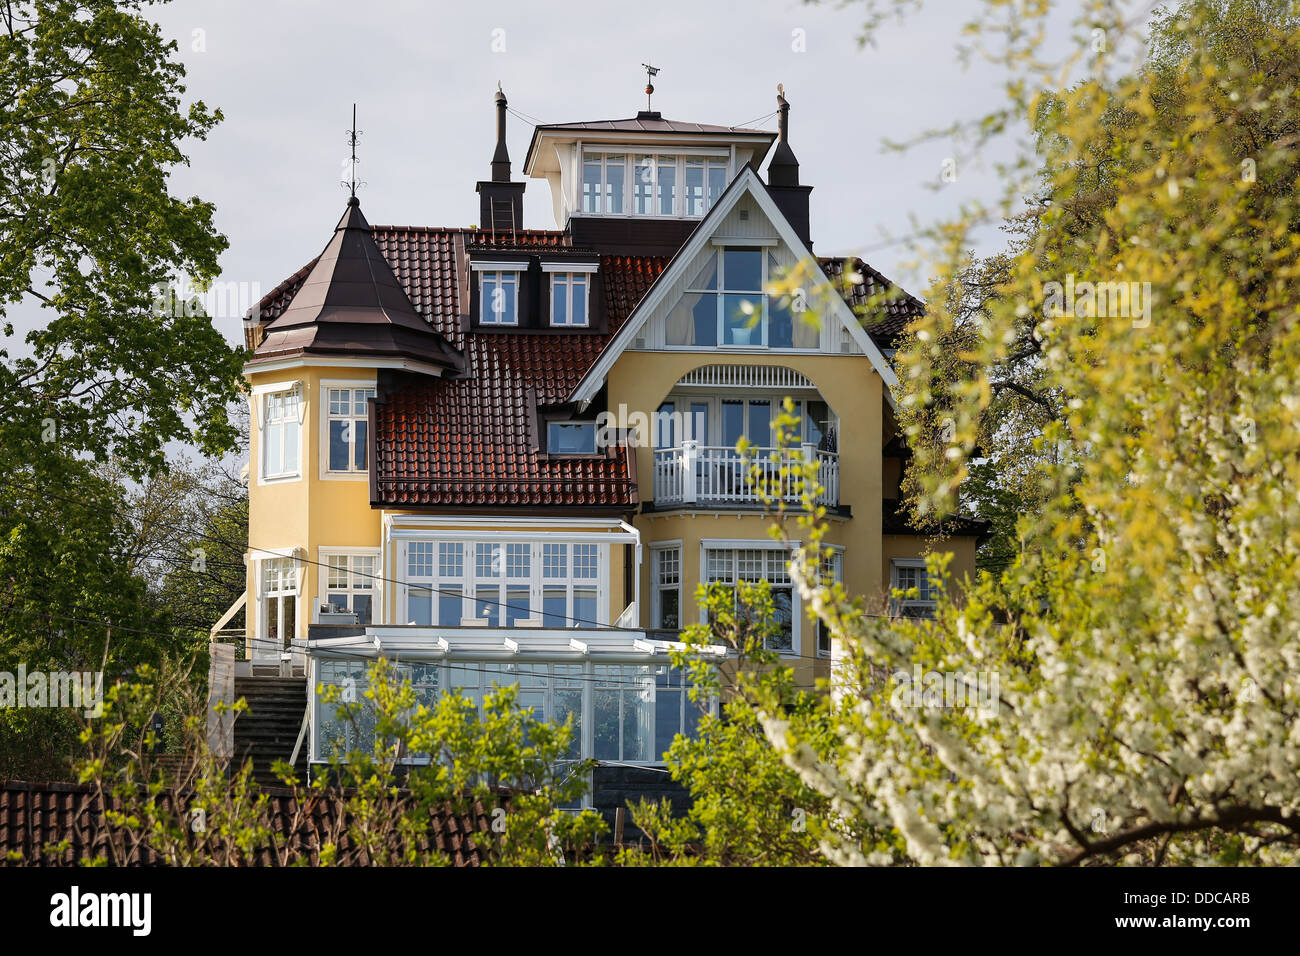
column 746, row 183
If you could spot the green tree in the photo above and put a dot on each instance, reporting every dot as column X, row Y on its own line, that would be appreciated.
column 1125, row 689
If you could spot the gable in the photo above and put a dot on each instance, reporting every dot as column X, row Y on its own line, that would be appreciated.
column 669, row 318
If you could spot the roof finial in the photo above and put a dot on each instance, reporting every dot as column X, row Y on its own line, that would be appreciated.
column 351, row 182
column 650, row 73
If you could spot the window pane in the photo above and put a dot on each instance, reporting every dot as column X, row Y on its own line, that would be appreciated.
column 419, row 606
column 578, row 315
column 274, row 438
column 569, row 438
column 518, row 560
column 783, row 603
column 733, row 422
column 605, row 724
column 643, row 186
column 742, row 316
column 516, row 605
column 717, row 181
column 487, row 605
column 361, row 605
column 554, row 606
column 487, row 560
column 339, row 445
column 668, row 718
column 780, row 331
column 559, row 301
column 705, row 319
column 615, row 169
column 555, row 560
column 669, row 605
column 667, row 184
column 665, row 433
column 570, row 702
column 359, row 428
column 591, row 185
column 694, row 187
column 584, row 607
column 419, row 559
column 451, row 559
column 450, row 607
column 742, row 270
column 291, row 446
column 760, row 424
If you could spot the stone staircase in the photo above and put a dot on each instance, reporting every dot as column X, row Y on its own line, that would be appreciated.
column 268, row 729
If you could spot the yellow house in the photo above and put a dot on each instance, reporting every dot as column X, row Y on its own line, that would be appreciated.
column 500, row 453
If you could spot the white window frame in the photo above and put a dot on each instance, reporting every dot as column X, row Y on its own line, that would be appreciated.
column 262, row 395
column 658, row 551
column 631, row 156
column 469, row 582
column 266, row 599
column 326, row 417
column 748, row 544
column 498, row 273
column 377, row 582
column 571, row 280
column 898, row 605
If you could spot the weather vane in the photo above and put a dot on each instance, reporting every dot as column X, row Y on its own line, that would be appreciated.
column 650, row 73
column 353, row 134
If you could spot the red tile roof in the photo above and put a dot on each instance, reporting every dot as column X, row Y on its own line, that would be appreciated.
column 891, row 314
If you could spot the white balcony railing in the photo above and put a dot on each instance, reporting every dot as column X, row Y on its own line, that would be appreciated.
column 703, row 474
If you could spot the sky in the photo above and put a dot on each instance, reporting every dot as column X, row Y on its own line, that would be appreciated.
column 285, row 75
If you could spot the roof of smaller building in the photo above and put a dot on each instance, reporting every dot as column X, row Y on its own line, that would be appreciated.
column 36, row 817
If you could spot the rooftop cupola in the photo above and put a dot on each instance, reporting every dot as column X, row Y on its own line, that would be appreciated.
column 501, row 202
column 351, row 305
column 783, row 174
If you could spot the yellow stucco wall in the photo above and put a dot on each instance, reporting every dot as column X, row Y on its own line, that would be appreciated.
column 642, row 380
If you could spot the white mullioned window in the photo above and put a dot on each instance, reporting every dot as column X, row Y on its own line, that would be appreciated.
column 347, row 442
column 666, row 587
column 731, row 565
column 499, row 297
column 351, row 582
column 661, row 185
column 503, row 583
column 281, row 428
column 907, row 574
column 569, row 298
column 279, row 603
column 832, row 572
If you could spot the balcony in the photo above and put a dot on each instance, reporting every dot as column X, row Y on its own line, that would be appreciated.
column 695, row 474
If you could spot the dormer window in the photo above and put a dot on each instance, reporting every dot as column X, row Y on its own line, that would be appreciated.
column 571, row 438
column 570, row 293
column 499, row 292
